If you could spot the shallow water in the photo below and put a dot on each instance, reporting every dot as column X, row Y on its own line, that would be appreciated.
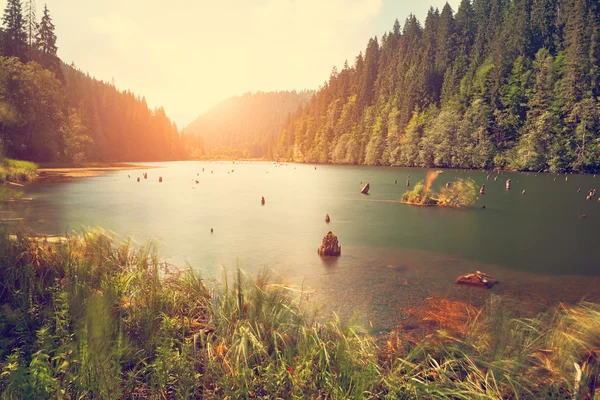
column 393, row 255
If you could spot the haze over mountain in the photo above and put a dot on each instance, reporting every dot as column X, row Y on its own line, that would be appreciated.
column 248, row 125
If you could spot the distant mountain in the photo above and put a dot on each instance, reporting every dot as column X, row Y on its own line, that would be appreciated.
column 248, row 125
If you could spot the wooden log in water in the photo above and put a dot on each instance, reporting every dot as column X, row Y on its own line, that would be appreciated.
column 17, row 199
column 9, row 220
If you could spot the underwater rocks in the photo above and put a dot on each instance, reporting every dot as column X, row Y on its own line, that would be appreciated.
column 479, row 278
column 330, row 246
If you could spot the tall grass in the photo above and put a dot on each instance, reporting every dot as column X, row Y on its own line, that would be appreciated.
column 17, row 170
column 92, row 318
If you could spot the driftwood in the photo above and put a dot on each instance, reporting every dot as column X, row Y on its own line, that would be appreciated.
column 479, row 278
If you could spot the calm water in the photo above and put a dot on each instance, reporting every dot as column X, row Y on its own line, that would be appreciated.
column 393, row 255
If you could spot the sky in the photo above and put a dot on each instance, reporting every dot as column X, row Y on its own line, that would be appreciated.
column 188, row 55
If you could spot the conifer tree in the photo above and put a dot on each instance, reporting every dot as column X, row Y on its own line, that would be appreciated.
column 31, row 25
column 45, row 43
column 15, row 37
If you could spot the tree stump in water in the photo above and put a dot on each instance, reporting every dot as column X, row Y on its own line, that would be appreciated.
column 330, row 246
column 479, row 278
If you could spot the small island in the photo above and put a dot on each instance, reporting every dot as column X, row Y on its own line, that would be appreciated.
column 461, row 193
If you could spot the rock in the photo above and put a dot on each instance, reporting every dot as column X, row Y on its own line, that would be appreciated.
column 408, row 181
column 365, row 189
column 479, row 278
column 483, row 206
column 523, row 192
column 327, row 219
column 160, row 179
column 138, row 179
column 482, row 190
column 582, row 216
column 330, row 246
column 508, row 184
column 262, row 201
column 395, row 180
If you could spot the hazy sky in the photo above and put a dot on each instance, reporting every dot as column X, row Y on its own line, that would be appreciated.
column 188, row 55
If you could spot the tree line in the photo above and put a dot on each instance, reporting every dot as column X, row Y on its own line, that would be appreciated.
column 53, row 112
column 498, row 83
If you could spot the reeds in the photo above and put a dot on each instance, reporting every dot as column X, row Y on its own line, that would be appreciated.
column 92, row 318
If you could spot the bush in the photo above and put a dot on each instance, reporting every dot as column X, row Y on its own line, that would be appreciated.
column 461, row 193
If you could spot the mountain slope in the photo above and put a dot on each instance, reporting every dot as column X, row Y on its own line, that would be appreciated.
column 247, row 125
column 499, row 83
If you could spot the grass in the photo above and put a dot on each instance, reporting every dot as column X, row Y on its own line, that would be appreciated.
column 93, row 318
column 17, row 170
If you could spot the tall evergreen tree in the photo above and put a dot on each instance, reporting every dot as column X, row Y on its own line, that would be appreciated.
column 31, row 25
column 45, row 43
column 15, row 38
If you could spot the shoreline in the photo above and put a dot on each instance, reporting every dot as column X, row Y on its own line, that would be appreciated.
column 54, row 173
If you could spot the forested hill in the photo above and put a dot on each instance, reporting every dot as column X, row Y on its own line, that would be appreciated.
column 53, row 112
column 248, row 125
column 498, row 83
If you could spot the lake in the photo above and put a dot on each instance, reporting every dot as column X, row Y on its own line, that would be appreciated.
column 394, row 256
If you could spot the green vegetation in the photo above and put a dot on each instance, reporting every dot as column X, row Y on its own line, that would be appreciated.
column 509, row 84
column 17, row 170
column 419, row 195
column 246, row 126
column 460, row 193
column 89, row 318
column 53, row 112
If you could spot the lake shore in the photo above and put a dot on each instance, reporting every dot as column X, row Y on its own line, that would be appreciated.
column 158, row 329
column 57, row 172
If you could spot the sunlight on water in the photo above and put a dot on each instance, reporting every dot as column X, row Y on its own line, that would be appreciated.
column 393, row 255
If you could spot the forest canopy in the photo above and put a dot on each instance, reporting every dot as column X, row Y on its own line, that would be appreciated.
column 53, row 112
column 498, row 83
